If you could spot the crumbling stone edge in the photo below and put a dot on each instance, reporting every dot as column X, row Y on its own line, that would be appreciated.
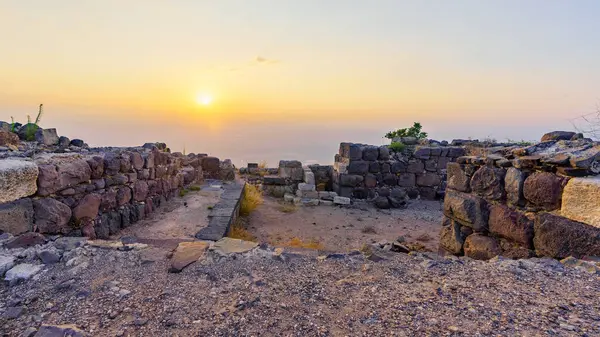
column 224, row 213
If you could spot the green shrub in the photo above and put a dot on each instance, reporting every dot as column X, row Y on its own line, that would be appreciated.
column 397, row 146
column 414, row 131
column 195, row 188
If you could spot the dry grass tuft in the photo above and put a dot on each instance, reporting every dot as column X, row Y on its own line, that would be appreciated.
column 424, row 237
column 369, row 230
column 262, row 165
column 238, row 231
column 296, row 242
column 288, row 208
column 251, row 199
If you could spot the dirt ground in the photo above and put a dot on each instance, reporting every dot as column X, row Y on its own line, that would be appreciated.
column 178, row 220
column 344, row 229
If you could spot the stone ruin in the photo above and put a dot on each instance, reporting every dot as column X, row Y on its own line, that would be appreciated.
column 54, row 185
column 518, row 202
column 389, row 178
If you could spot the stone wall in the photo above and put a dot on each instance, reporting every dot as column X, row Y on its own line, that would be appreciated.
column 388, row 177
column 541, row 200
column 95, row 192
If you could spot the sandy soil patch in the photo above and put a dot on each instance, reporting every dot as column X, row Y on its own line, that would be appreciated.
column 344, row 229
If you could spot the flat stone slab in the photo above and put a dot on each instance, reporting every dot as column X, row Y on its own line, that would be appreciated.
column 59, row 331
column 186, row 254
column 221, row 212
column 6, row 263
column 581, row 200
column 18, row 179
column 231, row 246
column 22, row 272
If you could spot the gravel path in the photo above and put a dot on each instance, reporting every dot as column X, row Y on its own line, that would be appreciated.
column 262, row 294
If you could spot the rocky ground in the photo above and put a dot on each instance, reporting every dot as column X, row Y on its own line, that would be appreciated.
column 342, row 229
column 127, row 291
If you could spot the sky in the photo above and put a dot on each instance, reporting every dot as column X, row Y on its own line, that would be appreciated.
column 292, row 79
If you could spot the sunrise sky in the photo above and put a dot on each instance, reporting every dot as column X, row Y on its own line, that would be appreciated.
column 294, row 78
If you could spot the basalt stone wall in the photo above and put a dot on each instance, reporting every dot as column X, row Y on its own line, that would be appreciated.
column 541, row 200
column 389, row 177
column 95, row 192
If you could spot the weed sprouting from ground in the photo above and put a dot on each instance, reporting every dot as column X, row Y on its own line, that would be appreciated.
column 238, row 231
column 397, row 146
column 369, row 230
column 251, row 199
column 183, row 192
column 296, row 242
column 288, row 208
column 195, row 188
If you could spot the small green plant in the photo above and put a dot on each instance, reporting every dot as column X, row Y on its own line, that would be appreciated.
column 414, row 131
column 31, row 127
column 183, row 192
column 195, row 188
column 397, row 146
column 210, row 207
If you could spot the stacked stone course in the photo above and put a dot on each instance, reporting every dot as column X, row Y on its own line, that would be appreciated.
column 389, row 178
column 541, row 200
column 93, row 192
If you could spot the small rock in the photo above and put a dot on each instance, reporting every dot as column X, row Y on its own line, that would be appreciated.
column 49, row 256
column 13, row 312
column 6, row 263
column 29, row 332
column 22, row 272
column 26, row 240
column 140, row 321
column 59, row 331
column 124, row 292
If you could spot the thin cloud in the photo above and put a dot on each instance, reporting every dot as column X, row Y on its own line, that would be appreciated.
column 264, row 60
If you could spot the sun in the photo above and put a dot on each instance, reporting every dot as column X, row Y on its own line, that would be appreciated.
column 204, row 99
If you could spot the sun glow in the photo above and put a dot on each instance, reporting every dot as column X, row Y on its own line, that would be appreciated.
column 204, row 99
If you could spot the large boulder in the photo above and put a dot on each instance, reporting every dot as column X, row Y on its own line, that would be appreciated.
column 481, row 247
column 211, row 165
column 488, row 182
column 468, row 210
column 511, row 225
column 47, row 179
column 87, row 207
column 428, row 179
column 46, row 136
column 544, row 189
column 27, row 132
column 17, row 179
column 451, row 236
column 581, row 200
column 559, row 237
column 557, row 135
column 51, row 216
column 457, row 178
column 8, row 138
column 140, row 190
column 513, row 185
column 16, row 217
column 96, row 164
column 72, row 172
